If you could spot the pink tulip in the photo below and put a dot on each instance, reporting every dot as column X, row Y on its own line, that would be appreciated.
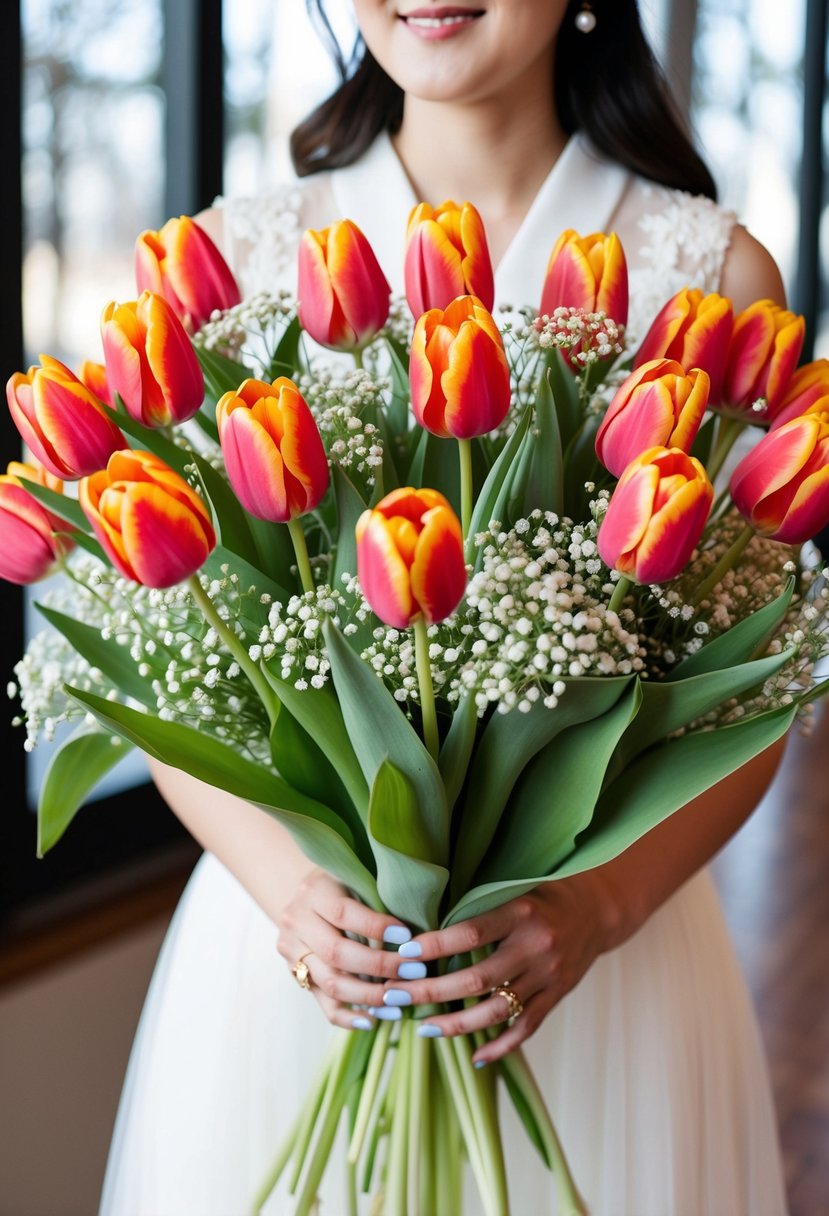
column 782, row 485
column 763, row 355
column 587, row 272
column 808, row 393
column 695, row 330
column 446, row 256
column 33, row 541
column 181, row 263
column 343, row 294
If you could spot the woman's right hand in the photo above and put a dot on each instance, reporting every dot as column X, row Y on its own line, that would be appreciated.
column 344, row 973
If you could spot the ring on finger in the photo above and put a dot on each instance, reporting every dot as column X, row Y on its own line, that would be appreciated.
column 514, row 1006
column 300, row 971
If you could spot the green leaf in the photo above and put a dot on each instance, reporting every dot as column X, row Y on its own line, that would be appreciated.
column 91, row 545
column 221, row 374
column 350, row 506
column 59, row 504
column 545, row 481
column 494, row 495
column 564, row 389
column 74, row 770
column 409, row 885
column 105, row 653
column 704, row 442
column 251, row 609
column 739, row 643
column 581, row 467
column 378, row 730
column 398, row 409
column 285, row 361
column 457, row 748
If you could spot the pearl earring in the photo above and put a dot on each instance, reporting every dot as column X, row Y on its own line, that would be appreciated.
column 585, row 19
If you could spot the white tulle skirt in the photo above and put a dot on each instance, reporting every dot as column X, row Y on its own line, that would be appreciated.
column 652, row 1069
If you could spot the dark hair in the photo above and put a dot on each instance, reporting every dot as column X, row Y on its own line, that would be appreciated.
column 607, row 84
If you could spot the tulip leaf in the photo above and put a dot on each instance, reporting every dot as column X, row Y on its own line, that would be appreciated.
column 555, row 798
column 739, row 643
column 564, row 388
column 704, row 441
column 506, row 746
column 59, row 504
column 285, row 361
column 398, row 409
column 492, row 500
column 90, row 544
column 114, row 660
column 275, row 555
column 378, row 729
column 74, row 770
column 221, row 374
column 206, row 421
column 544, row 487
column 350, row 506
column 651, row 789
column 410, row 886
column 457, row 748
column 583, row 467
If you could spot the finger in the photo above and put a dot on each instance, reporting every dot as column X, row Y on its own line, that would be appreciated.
column 535, row 1011
column 351, row 916
column 341, row 987
column 469, row 935
column 343, row 953
column 341, row 1015
column 492, row 1011
column 496, row 970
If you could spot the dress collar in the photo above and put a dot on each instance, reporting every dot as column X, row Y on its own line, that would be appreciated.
column 581, row 191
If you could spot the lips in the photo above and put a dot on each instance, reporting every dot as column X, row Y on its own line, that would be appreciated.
column 435, row 18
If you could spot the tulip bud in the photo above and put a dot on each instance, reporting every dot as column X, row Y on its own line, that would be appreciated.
column 30, row 548
column 782, row 485
column 458, row 371
column 181, row 263
column 763, row 355
column 343, row 294
column 657, row 406
column 656, row 515
column 94, row 376
column 154, row 528
column 61, row 421
column 410, row 559
column 808, row 393
column 446, row 256
column 150, row 361
column 587, row 272
column 695, row 330
column 272, row 449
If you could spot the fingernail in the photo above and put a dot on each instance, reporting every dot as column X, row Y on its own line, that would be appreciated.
column 397, row 996
column 410, row 949
column 481, row 1063
column 362, row 1023
column 429, row 1032
column 386, row 1013
column 396, row 935
column 412, row 971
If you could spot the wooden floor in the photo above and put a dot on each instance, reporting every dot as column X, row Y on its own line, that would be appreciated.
column 774, row 879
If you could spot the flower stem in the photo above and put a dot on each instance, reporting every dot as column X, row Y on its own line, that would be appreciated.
column 301, row 550
column 465, row 455
column 723, row 565
column 368, row 1090
column 266, row 694
column 619, row 592
column 727, row 431
column 357, row 355
column 427, row 692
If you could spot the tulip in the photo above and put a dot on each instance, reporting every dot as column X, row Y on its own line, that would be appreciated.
column 446, row 256
column 656, row 515
column 94, row 376
column 410, row 559
column 782, row 485
column 808, row 393
column 61, row 420
column 695, row 330
column 181, row 263
column 657, row 406
column 587, row 272
column 32, row 544
column 765, row 347
column 150, row 361
column 154, row 528
column 343, row 294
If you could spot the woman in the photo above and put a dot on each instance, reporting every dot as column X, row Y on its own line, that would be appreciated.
column 635, row 1018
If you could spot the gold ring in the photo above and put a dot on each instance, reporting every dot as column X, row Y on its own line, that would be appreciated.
column 514, row 1006
column 300, row 971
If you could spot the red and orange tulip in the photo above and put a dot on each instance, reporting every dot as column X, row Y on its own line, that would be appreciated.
column 808, row 393
column 181, row 263
column 656, row 515
column 410, row 557
column 29, row 546
column 150, row 361
column 763, row 355
column 272, row 448
column 343, row 294
column 446, row 256
column 695, row 330
column 154, row 528
column 782, row 485
column 458, row 371
column 94, row 376
column 61, row 420
column 657, row 406
column 587, row 272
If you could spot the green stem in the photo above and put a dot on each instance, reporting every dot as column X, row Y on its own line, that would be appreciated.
column 481, row 1098
column 266, row 694
column 723, row 565
column 326, row 1125
column 427, row 692
column 727, row 431
column 619, row 592
column 301, row 550
column 368, row 1091
column 465, row 455
column 419, row 1155
column 397, row 1177
column 357, row 355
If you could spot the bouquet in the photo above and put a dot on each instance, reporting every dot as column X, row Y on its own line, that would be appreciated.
column 465, row 606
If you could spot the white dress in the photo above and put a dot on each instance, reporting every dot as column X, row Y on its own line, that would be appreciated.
column 652, row 1067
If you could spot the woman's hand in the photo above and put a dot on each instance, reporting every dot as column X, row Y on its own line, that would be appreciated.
column 343, row 972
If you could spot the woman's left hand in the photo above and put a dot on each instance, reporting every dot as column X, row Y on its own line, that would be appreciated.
column 546, row 939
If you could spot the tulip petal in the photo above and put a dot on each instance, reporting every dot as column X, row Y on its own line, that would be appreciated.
column 433, row 271
column 164, row 540
column 438, row 573
column 808, row 512
column 612, row 279
column 570, row 281
column 627, row 516
column 750, row 345
column 773, row 463
column 319, row 312
column 255, row 467
column 476, row 383
column 673, row 533
column 382, row 572
column 359, row 284
column 73, row 428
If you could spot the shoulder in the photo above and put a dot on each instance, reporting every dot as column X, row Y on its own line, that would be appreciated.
column 749, row 271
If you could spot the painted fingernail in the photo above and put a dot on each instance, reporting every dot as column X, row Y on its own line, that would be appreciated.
column 481, row 1063
column 429, row 1032
column 386, row 1013
column 362, row 1023
column 412, row 971
column 397, row 996
column 410, row 949
column 396, row 935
